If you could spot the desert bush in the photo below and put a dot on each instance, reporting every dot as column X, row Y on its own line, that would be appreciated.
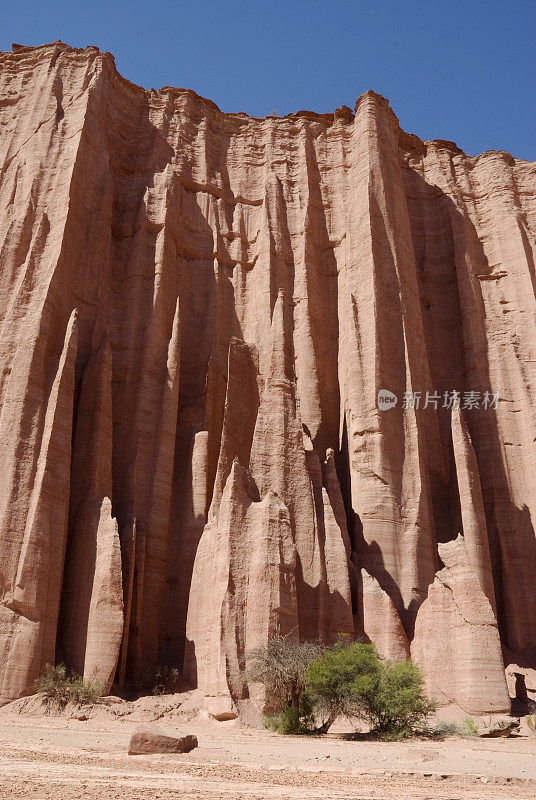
column 531, row 722
column 397, row 704
column 165, row 680
column 59, row 688
column 281, row 666
column 444, row 728
column 288, row 721
column 470, row 727
column 271, row 722
column 291, row 720
column 354, row 681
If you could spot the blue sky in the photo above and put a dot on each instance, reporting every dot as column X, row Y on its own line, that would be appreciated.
column 455, row 70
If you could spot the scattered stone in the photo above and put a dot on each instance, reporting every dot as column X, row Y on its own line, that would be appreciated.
column 500, row 727
column 416, row 754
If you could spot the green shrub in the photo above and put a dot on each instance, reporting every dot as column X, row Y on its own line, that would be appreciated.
column 59, row 688
column 271, row 722
column 291, row 720
column 397, row 704
column 531, row 722
column 354, row 681
column 281, row 666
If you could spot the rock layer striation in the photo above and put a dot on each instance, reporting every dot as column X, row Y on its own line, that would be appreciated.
column 197, row 312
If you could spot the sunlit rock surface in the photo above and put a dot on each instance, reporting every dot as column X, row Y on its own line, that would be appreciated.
column 197, row 311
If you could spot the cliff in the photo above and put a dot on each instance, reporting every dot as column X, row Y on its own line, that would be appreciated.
column 197, row 312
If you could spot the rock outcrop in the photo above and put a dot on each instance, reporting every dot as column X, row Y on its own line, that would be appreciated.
column 197, row 313
column 457, row 639
column 473, row 518
column 243, row 585
column 378, row 620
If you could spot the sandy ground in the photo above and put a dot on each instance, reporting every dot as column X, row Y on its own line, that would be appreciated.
column 60, row 758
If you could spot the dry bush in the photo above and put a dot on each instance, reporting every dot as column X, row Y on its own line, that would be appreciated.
column 58, row 688
column 281, row 666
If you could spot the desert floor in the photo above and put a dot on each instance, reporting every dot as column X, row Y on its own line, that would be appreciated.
column 62, row 758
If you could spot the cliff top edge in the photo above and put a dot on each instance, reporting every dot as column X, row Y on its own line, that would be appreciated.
column 407, row 140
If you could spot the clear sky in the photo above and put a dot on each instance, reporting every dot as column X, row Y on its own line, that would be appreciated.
column 459, row 70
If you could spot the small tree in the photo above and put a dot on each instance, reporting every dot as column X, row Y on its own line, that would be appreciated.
column 281, row 666
column 355, row 682
column 337, row 682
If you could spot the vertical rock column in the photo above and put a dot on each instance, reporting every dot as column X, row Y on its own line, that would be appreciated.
column 475, row 531
column 456, row 641
column 278, row 463
column 382, row 346
column 31, row 594
column 243, row 586
column 91, row 619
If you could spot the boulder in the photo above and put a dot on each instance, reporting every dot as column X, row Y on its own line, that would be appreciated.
column 157, row 739
column 221, row 707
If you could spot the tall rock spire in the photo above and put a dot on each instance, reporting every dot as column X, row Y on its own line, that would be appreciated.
column 91, row 618
column 475, row 531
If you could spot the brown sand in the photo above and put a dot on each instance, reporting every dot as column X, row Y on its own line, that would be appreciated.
column 51, row 757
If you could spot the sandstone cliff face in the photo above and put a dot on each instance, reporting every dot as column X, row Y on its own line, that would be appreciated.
column 197, row 311
column 456, row 638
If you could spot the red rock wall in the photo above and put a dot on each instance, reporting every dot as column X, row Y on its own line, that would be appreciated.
column 183, row 290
